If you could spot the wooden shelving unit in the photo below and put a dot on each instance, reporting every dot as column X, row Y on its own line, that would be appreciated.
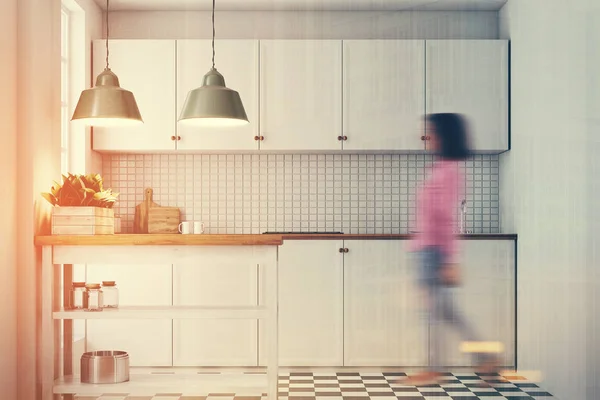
column 58, row 380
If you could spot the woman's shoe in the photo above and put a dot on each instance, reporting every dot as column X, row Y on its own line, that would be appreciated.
column 490, row 365
column 422, row 378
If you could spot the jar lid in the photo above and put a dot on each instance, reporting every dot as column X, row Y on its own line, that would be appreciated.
column 78, row 284
column 93, row 286
column 108, row 283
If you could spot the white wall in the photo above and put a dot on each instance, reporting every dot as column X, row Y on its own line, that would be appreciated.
column 86, row 25
column 593, row 242
column 547, row 192
column 304, row 25
column 8, row 201
column 38, row 152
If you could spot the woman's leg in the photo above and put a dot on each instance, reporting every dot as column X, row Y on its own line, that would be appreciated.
column 427, row 282
column 436, row 334
column 448, row 312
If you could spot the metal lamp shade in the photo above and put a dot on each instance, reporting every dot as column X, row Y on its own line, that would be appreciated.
column 107, row 104
column 213, row 104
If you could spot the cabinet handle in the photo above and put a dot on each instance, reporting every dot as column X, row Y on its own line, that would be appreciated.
column 427, row 137
column 178, row 137
column 346, row 250
column 261, row 138
column 343, row 250
column 173, row 138
column 340, row 138
column 423, row 138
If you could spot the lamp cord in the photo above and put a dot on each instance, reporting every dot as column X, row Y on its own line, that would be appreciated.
column 213, row 35
column 107, row 34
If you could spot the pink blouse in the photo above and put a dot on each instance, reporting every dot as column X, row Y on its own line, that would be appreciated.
column 437, row 203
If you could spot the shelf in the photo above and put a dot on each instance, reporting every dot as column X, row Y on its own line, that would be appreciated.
column 149, row 384
column 167, row 312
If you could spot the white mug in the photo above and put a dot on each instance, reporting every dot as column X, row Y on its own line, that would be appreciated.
column 185, row 227
column 198, row 227
column 117, row 225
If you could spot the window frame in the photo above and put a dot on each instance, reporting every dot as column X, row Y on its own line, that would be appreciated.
column 65, row 54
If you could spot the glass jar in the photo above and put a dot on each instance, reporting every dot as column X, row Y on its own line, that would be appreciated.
column 93, row 299
column 77, row 295
column 110, row 292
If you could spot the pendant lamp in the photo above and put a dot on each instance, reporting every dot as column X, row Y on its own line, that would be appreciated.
column 213, row 104
column 107, row 104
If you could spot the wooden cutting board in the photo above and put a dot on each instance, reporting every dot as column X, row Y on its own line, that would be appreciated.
column 152, row 218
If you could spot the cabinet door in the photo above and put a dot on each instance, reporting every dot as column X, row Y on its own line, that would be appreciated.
column 384, row 94
column 486, row 298
column 230, row 281
column 310, row 304
column 471, row 77
column 301, row 94
column 237, row 60
column 382, row 323
column 146, row 68
column 148, row 342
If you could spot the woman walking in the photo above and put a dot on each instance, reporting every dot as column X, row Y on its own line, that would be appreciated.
column 435, row 244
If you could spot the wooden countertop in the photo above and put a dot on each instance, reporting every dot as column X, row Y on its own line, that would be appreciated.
column 159, row 239
column 224, row 240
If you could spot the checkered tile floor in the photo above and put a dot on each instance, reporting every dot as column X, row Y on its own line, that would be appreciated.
column 381, row 386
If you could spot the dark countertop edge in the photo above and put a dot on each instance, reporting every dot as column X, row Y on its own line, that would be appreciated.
column 351, row 236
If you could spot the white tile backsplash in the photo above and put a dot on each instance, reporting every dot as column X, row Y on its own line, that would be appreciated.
column 253, row 193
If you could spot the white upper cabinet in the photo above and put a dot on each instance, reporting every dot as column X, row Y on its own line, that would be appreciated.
column 237, row 61
column 311, row 95
column 471, row 77
column 146, row 68
column 384, row 94
column 301, row 94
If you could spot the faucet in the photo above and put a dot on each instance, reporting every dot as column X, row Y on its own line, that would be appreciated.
column 463, row 213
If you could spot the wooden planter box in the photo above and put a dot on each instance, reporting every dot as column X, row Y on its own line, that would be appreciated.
column 83, row 221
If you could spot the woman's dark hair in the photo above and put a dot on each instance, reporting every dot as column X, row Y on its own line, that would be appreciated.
column 451, row 131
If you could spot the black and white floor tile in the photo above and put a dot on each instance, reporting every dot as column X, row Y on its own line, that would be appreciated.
column 378, row 386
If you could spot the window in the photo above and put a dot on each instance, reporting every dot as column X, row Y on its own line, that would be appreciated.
column 72, row 69
column 64, row 92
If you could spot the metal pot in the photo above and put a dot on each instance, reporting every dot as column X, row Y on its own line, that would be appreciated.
column 105, row 367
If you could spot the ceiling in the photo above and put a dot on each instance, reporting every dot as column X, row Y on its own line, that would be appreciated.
column 304, row 5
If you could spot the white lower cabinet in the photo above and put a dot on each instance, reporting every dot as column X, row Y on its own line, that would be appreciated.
column 148, row 342
column 486, row 298
column 385, row 323
column 358, row 307
column 216, row 343
column 382, row 324
column 311, row 302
